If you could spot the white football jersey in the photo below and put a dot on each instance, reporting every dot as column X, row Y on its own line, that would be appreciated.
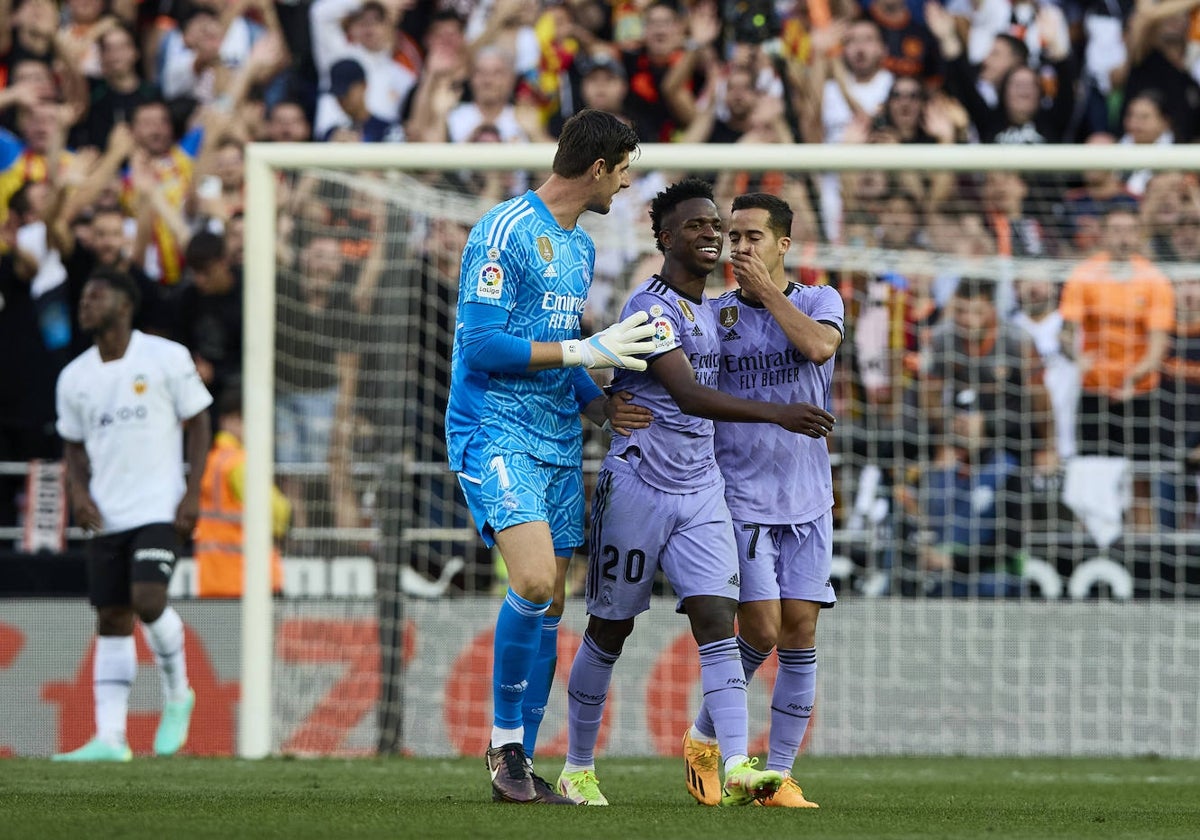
column 128, row 414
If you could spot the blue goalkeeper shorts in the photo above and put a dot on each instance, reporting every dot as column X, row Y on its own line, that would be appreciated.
column 504, row 489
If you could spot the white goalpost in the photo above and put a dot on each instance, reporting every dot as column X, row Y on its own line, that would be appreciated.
column 862, row 529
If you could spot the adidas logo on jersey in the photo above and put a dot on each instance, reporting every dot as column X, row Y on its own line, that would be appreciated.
column 734, row 580
column 732, row 335
column 550, row 271
column 697, row 331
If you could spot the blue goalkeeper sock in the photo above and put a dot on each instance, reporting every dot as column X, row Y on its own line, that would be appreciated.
column 518, row 637
column 537, row 695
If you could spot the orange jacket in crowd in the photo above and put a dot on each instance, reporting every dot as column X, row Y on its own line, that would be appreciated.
column 218, row 537
column 1116, row 317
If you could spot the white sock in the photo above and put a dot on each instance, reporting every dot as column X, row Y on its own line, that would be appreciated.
column 733, row 761
column 500, row 737
column 165, row 637
column 575, row 768
column 113, row 670
column 697, row 735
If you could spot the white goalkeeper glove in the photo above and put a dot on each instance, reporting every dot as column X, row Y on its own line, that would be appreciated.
column 614, row 347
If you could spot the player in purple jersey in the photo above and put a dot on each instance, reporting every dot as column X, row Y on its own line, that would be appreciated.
column 778, row 340
column 512, row 421
column 659, row 501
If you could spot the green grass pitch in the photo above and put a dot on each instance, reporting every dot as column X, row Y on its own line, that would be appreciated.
column 432, row 798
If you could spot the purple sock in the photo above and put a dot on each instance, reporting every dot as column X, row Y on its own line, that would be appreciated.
column 791, row 705
column 587, row 692
column 752, row 660
column 724, row 685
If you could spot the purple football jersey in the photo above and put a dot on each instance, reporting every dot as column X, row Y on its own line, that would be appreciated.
column 675, row 453
column 773, row 476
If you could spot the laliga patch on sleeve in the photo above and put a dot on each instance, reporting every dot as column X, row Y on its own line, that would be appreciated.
column 491, row 281
column 664, row 335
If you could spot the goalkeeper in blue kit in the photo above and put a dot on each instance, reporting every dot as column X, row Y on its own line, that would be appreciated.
column 519, row 383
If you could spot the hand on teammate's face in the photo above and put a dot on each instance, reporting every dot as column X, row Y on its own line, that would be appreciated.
column 751, row 273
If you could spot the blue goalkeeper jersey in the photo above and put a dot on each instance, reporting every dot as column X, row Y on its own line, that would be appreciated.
column 518, row 258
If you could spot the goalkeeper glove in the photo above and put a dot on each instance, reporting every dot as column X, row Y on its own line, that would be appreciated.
column 614, row 347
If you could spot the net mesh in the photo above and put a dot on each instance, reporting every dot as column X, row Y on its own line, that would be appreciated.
column 981, row 451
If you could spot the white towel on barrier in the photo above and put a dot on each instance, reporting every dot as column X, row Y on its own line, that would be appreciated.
column 1099, row 491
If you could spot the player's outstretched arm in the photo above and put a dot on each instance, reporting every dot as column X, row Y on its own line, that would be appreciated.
column 486, row 346
column 806, row 419
column 676, row 374
column 614, row 347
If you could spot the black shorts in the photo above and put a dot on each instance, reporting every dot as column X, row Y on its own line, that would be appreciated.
column 142, row 555
column 1130, row 429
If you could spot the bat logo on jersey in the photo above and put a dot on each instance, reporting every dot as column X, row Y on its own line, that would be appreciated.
column 686, row 309
column 545, row 248
column 664, row 334
column 728, row 316
column 139, row 384
column 491, row 281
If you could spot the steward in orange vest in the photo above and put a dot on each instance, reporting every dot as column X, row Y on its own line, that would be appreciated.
column 218, row 535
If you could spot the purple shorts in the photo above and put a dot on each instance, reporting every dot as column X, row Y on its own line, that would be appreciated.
column 786, row 561
column 637, row 529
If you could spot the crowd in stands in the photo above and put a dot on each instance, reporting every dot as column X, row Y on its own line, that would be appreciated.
column 123, row 126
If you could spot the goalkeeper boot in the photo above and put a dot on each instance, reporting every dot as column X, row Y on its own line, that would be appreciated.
column 744, row 784
column 789, row 795
column 700, row 769
column 173, row 727
column 512, row 780
column 581, row 787
column 96, row 750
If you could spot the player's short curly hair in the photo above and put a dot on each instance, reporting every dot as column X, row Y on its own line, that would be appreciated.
column 119, row 281
column 672, row 197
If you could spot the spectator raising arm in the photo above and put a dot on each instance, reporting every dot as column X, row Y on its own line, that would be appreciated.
column 118, row 148
column 152, row 205
column 703, row 28
column 71, row 79
column 5, row 31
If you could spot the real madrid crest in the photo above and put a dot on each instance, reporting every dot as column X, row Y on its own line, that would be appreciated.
column 139, row 385
column 728, row 316
column 686, row 309
column 545, row 248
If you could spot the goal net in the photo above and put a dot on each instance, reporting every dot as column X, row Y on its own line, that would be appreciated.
column 1015, row 555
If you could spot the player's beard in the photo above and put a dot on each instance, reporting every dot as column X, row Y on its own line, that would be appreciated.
column 101, row 325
